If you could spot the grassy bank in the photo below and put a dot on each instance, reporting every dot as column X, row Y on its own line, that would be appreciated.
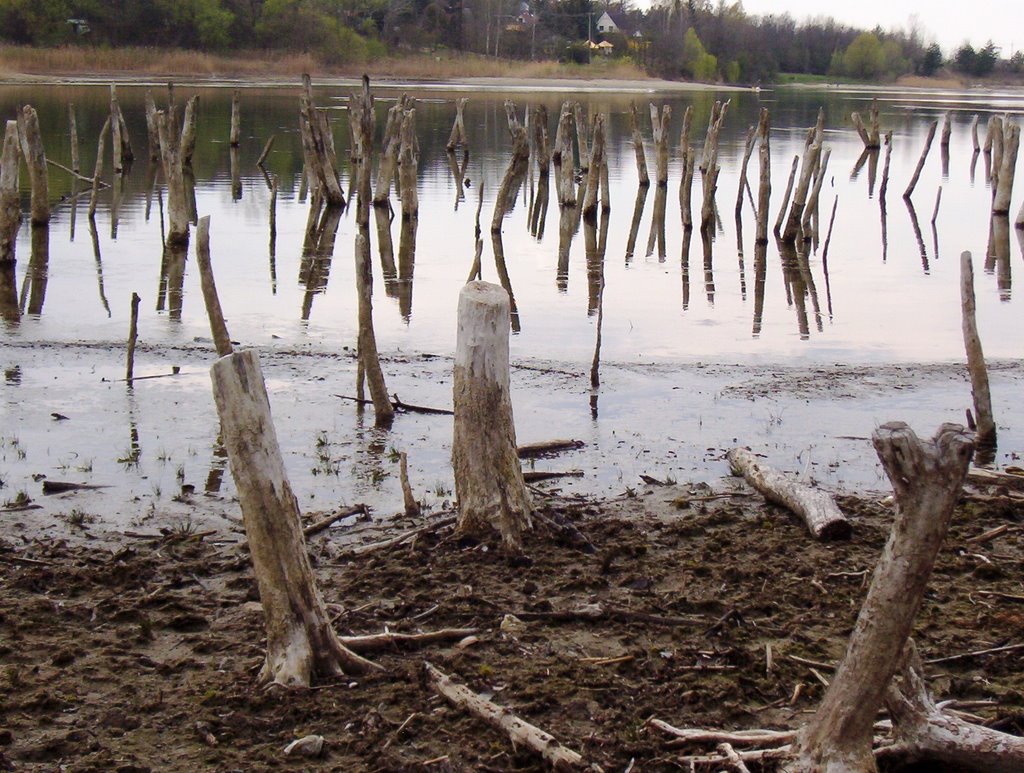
column 78, row 60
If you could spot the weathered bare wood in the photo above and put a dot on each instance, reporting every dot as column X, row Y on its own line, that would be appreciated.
column 947, row 129
column 515, row 172
column 221, row 339
column 926, row 733
column 488, row 478
column 98, row 170
column 811, row 208
column 458, row 135
column 974, row 135
column 174, row 177
column 920, row 163
column 73, row 129
column 1007, row 169
column 520, row 732
column 533, row 450
column 764, row 190
column 659, row 125
column 927, row 477
column 35, row 159
column 115, row 131
column 325, row 523
column 748, row 149
column 390, row 640
column 796, row 210
column 408, row 162
column 133, row 335
column 874, row 139
column 384, row 412
column 858, row 124
column 10, row 197
column 301, row 644
column 986, row 433
column 236, row 118
column 581, row 136
column 597, row 162
column 883, row 187
column 412, row 507
column 638, row 145
column 785, row 198
column 266, row 150
column 391, row 143
column 563, row 158
column 709, row 166
column 151, row 131
column 817, row 508
column 688, row 156
column 189, row 130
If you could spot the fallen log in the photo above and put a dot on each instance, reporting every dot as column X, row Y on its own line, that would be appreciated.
column 325, row 523
column 818, row 509
column 375, row 642
column 520, row 732
column 399, row 406
column 532, row 450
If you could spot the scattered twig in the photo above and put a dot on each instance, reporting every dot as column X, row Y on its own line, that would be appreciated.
column 531, row 450
column 403, row 537
column 533, row 476
column 321, row 525
column 73, row 173
column 378, row 641
column 990, row 534
column 1004, row 596
column 975, row 654
column 26, row 561
column 398, row 405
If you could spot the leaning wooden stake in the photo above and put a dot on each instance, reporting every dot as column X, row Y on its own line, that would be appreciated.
column 986, row 432
column 688, row 155
column 151, row 131
column 660, row 127
column 458, row 135
column 947, row 129
column 1007, row 169
column 516, row 170
column 73, row 129
column 133, row 335
column 301, row 643
column 383, row 411
column 10, row 197
column 236, row 119
column 412, row 507
column 520, row 732
column 785, row 197
column 811, row 208
column 817, row 508
column 488, row 477
column 748, row 149
column 581, row 136
column 188, row 132
column 920, row 162
column 796, row 210
column 35, row 160
column 764, row 190
column 638, row 145
column 98, row 170
column 221, row 340
column 926, row 477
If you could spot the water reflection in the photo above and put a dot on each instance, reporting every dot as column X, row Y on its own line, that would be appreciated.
column 10, row 312
column 33, row 288
column 999, row 255
column 917, row 234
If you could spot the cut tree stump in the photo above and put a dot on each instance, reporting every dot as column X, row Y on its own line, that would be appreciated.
column 488, row 478
column 35, row 160
column 817, row 508
column 10, row 198
column 927, row 477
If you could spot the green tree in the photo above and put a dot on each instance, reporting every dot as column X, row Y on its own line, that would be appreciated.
column 864, row 57
column 966, row 59
column 931, row 61
column 39, row 22
column 696, row 61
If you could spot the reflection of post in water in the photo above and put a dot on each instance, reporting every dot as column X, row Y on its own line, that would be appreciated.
column 117, row 194
column 796, row 290
column 236, row 174
column 539, row 215
column 10, row 312
column 38, row 269
column 760, row 273
column 218, row 464
column 94, row 234
column 175, row 255
column 935, row 217
column 595, row 266
column 944, row 156
column 406, row 265
column 658, row 223
column 566, row 231
column 458, row 174
column 74, row 207
column 638, row 213
column 149, row 184
column 739, row 252
column 872, row 172
column 684, row 264
column 315, row 265
column 917, row 234
column 499, row 264
column 824, row 255
column 10, row 222
column 803, row 263
column 859, row 164
column 385, row 245
column 595, row 278
column 999, row 252
column 275, row 183
column 709, row 265
column 974, row 163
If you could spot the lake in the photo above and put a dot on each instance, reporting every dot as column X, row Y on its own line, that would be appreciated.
column 885, row 294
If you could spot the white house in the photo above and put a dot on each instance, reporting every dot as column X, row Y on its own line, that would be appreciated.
column 606, row 24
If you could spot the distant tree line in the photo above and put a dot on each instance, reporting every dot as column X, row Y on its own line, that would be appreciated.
column 694, row 39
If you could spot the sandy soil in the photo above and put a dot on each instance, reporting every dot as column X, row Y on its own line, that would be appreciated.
column 142, row 656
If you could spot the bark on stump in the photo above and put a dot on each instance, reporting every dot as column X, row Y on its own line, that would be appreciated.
column 926, row 478
column 35, row 160
column 982, row 398
column 174, row 176
column 300, row 641
column 236, row 119
column 488, row 478
column 764, row 190
column 1007, row 169
column 638, row 145
column 817, row 508
column 10, row 199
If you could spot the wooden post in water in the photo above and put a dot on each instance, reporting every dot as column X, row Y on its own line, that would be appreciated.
column 115, row 131
column 884, row 186
column 748, row 149
column 709, row 165
column 687, row 154
column 151, row 130
column 974, row 134
column 874, row 134
column 764, row 190
column 986, row 432
column 858, row 124
column 174, row 177
column 408, row 160
column 947, row 128
column 189, row 129
column 581, row 136
column 781, row 219
column 236, row 119
column 98, row 170
column 320, row 151
column 638, row 145
column 660, row 129
column 796, row 209
column 390, row 145
column 10, row 197
column 133, row 335
column 920, row 162
column 597, row 163
column 35, row 160
column 458, row 135
column 811, row 207
column 73, row 128
column 1007, row 169
column 563, row 158
column 488, row 477
column 517, row 166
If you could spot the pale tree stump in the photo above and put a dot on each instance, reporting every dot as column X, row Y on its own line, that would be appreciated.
column 300, row 641
column 926, row 733
column 10, row 199
column 488, row 477
column 926, row 477
column 174, row 176
column 35, row 160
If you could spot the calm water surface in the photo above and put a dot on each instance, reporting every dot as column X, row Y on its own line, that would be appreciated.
column 881, row 294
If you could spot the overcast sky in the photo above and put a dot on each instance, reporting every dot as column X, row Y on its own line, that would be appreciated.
column 945, row 21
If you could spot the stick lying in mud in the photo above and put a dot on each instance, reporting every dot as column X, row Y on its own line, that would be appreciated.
column 818, row 509
column 324, row 523
column 399, row 406
column 531, row 450
column 520, row 732
column 375, row 642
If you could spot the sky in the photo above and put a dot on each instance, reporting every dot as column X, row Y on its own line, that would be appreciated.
column 947, row 22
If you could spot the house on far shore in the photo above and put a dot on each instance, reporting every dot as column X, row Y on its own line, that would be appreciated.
column 606, row 24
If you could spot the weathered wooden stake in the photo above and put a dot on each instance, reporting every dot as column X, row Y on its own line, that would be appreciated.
column 98, row 170
column 974, row 135
column 73, row 128
column 236, row 119
column 1007, row 169
column 412, row 507
column 874, row 135
column 811, row 208
column 408, row 161
column 920, row 162
column 10, row 197
column 764, row 190
column 35, row 160
column 133, row 335
column 581, row 136
column 688, row 156
column 458, row 135
column 885, row 168
column 796, row 209
column 638, row 145
column 115, row 131
column 517, row 167
column 935, row 212
column 748, row 149
column 986, row 432
column 488, row 476
column 151, row 131
column 221, row 339
column 926, row 478
column 947, row 129
column 785, row 197
column 174, row 177
column 266, row 151
column 390, row 145
column 597, row 162
column 858, row 124
column 659, row 126
column 383, row 410
column 563, row 159
column 188, row 132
